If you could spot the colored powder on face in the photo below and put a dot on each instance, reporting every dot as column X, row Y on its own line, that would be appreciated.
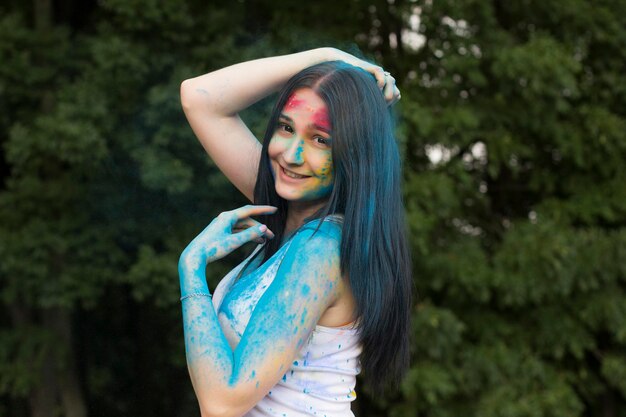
column 293, row 102
column 299, row 151
column 320, row 118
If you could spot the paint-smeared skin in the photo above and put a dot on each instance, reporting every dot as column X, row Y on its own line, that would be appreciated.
column 302, row 143
column 321, row 119
column 293, row 102
column 304, row 286
column 321, row 184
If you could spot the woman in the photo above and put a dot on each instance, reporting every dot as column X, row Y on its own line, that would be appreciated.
column 288, row 330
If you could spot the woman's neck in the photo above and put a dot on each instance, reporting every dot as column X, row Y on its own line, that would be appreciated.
column 297, row 212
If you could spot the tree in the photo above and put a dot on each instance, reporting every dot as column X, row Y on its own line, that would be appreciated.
column 511, row 123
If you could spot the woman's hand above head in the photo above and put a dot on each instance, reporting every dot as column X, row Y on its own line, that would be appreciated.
column 227, row 232
column 386, row 82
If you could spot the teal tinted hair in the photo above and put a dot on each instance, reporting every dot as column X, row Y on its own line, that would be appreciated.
column 367, row 191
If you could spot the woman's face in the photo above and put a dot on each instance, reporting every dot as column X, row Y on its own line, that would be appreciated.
column 301, row 148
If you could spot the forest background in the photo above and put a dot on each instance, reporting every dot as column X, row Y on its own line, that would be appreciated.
column 511, row 126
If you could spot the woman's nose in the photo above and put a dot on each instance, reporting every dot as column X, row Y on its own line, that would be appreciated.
column 294, row 154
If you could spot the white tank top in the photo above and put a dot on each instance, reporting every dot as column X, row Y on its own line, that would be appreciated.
column 322, row 377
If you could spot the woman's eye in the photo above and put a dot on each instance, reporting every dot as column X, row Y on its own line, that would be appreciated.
column 285, row 127
column 322, row 140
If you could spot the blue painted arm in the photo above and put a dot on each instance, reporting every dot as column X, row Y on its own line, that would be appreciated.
column 230, row 382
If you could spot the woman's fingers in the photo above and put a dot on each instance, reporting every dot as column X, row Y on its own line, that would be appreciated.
column 387, row 84
column 380, row 75
column 231, row 217
column 248, row 235
column 248, row 211
column 391, row 91
column 385, row 81
column 244, row 227
column 244, row 224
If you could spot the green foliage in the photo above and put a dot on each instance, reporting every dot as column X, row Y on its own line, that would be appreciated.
column 512, row 129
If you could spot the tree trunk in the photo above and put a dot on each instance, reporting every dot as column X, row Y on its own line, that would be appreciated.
column 608, row 403
column 59, row 384
column 43, row 14
column 68, row 382
column 42, row 398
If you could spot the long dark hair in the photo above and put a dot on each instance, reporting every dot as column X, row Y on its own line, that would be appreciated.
column 374, row 247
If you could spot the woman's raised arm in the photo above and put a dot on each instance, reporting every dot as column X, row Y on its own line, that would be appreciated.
column 211, row 103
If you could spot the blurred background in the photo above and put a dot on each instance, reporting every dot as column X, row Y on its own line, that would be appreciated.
column 512, row 128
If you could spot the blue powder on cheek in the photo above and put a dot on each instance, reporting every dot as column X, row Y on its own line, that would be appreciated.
column 320, row 191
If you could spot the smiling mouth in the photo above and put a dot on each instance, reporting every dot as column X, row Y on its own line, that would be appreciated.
column 293, row 174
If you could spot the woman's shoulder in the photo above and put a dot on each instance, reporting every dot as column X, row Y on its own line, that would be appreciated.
column 323, row 232
column 330, row 222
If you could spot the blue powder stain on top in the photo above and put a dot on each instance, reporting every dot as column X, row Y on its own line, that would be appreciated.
column 257, row 384
column 285, row 378
column 306, row 289
column 339, row 347
column 295, row 363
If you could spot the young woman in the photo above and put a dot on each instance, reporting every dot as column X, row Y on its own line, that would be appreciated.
column 328, row 289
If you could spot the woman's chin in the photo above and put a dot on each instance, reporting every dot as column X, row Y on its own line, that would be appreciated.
column 299, row 195
column 289, row 194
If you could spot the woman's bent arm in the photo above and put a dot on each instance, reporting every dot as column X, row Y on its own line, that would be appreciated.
column 211, row 103
column 229, row 383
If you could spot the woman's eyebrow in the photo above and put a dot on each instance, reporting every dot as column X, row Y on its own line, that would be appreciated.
column 311, row 125
column 318, row 127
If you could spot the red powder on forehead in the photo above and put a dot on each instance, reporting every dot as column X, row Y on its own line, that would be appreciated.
column 320, row 118
column 293, row 102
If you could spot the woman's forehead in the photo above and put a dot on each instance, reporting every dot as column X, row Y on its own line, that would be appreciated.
column 305, row 99
column 306, row 103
